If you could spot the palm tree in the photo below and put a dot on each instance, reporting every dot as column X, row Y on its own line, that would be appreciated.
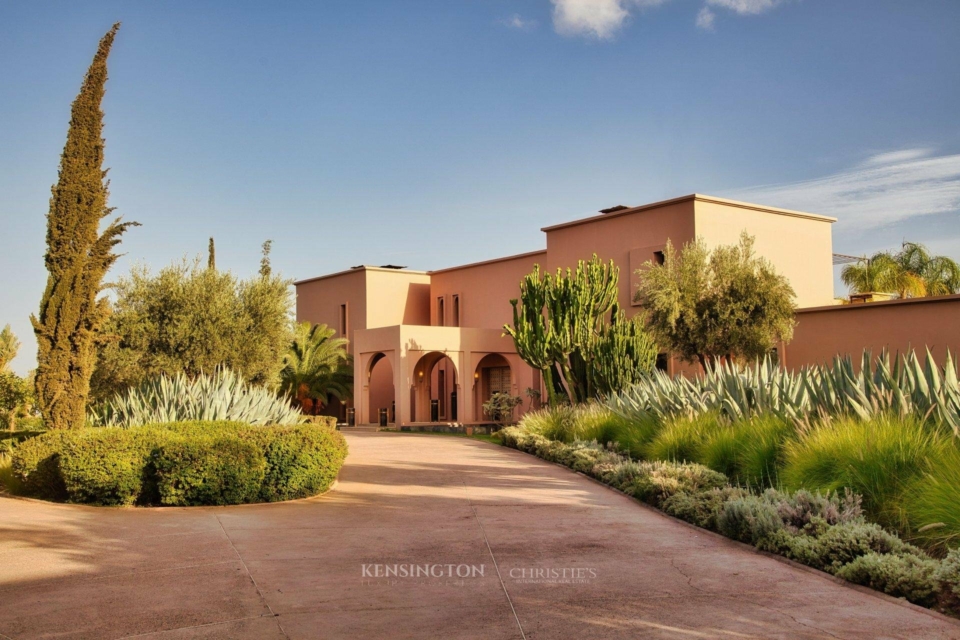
column 316, row 367
column 940, row 274
column 882, row 272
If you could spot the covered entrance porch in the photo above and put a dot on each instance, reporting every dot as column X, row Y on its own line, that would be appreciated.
column 423, row 375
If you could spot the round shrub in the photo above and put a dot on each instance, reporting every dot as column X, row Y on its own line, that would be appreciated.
column 301, row 462
column 947, row 577
column 106, row 466
column 36, row 465
column 902, row 576
column 208, row 470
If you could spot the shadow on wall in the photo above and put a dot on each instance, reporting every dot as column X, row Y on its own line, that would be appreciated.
column 417, row 309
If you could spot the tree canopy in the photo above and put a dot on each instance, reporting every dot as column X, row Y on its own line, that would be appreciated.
column 316, row 367
column 708, row 305
column 191, row 318
column 912, row 272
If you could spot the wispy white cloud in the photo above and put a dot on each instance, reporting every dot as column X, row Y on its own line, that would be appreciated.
column 516, row 21
column 885, row 189
column 603, row 18
column 705, row 19
column 746, row 7
column 597, row 18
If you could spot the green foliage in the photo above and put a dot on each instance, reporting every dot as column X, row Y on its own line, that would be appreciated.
column 904, row 387
column 192, row 319
column 912, row 272
column 500, row 406
column 681, row 438
column 221, row 396
column 590, row 422
column 947, row 577
column 16, row 395
column 701, row 508
column 301, row 462
column 569, row 327
column 877, row 458
column 105, row 466
column 315, row 367
column 657, row 481
column 932, row 502
column 36, row 464
column 213, row 470
column 185, row 463
column 78, row 256
column 708, row 305
column 901, row 576
column 9, row 346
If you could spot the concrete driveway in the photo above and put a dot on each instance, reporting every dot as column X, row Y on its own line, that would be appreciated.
column 424, row 537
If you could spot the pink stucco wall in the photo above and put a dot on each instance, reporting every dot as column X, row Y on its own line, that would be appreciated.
column 896, row 325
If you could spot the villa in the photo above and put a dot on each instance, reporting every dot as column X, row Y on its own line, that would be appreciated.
column 428, row 346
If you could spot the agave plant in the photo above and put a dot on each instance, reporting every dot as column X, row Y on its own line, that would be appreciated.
column 221, row 396
column 902, row 386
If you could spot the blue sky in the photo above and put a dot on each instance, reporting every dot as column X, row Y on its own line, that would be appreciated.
column 382, row 132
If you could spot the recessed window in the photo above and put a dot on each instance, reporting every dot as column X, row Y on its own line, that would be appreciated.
column 440, row 313
column 343, row 320
column 456, row 311
column 658, row 257
column 662, row 361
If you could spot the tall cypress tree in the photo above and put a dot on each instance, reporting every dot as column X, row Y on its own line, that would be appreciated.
column 211, row 256
column 78, row 256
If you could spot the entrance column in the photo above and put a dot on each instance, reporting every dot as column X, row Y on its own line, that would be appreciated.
column 401, row 384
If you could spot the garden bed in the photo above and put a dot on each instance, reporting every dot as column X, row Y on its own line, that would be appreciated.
column 826, row 532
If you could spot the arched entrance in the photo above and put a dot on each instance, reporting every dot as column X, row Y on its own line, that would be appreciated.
column 492, row 375
column 380, row 391
column 433, row 396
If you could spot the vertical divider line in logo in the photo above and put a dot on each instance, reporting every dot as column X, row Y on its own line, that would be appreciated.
column 492, row 557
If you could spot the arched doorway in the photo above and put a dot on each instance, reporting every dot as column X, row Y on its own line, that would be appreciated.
column 434, row 393
column 492, row 375
column 380, row 391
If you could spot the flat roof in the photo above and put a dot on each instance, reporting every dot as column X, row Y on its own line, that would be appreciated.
column 691, row 197
column 529, row 254
column 363, row 267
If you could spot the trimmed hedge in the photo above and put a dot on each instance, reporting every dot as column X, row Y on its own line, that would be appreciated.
column 184, row 464
column 828, row 532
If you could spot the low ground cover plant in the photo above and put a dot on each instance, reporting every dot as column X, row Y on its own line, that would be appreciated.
column 185, row 463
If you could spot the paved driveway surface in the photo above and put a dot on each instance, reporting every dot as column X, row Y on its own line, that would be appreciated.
column 540, row 551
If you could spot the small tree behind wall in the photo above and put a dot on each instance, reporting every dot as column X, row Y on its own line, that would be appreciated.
column 707, row 306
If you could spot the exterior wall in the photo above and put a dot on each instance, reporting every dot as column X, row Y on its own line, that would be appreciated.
column 397, row 297
column 319, row 300
column 896, row 325
column 484, row 289
column 630, row 239
column 800, row 246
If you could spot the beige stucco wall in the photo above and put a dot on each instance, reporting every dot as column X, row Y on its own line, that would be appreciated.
column 897, row 325
column 799, row 246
